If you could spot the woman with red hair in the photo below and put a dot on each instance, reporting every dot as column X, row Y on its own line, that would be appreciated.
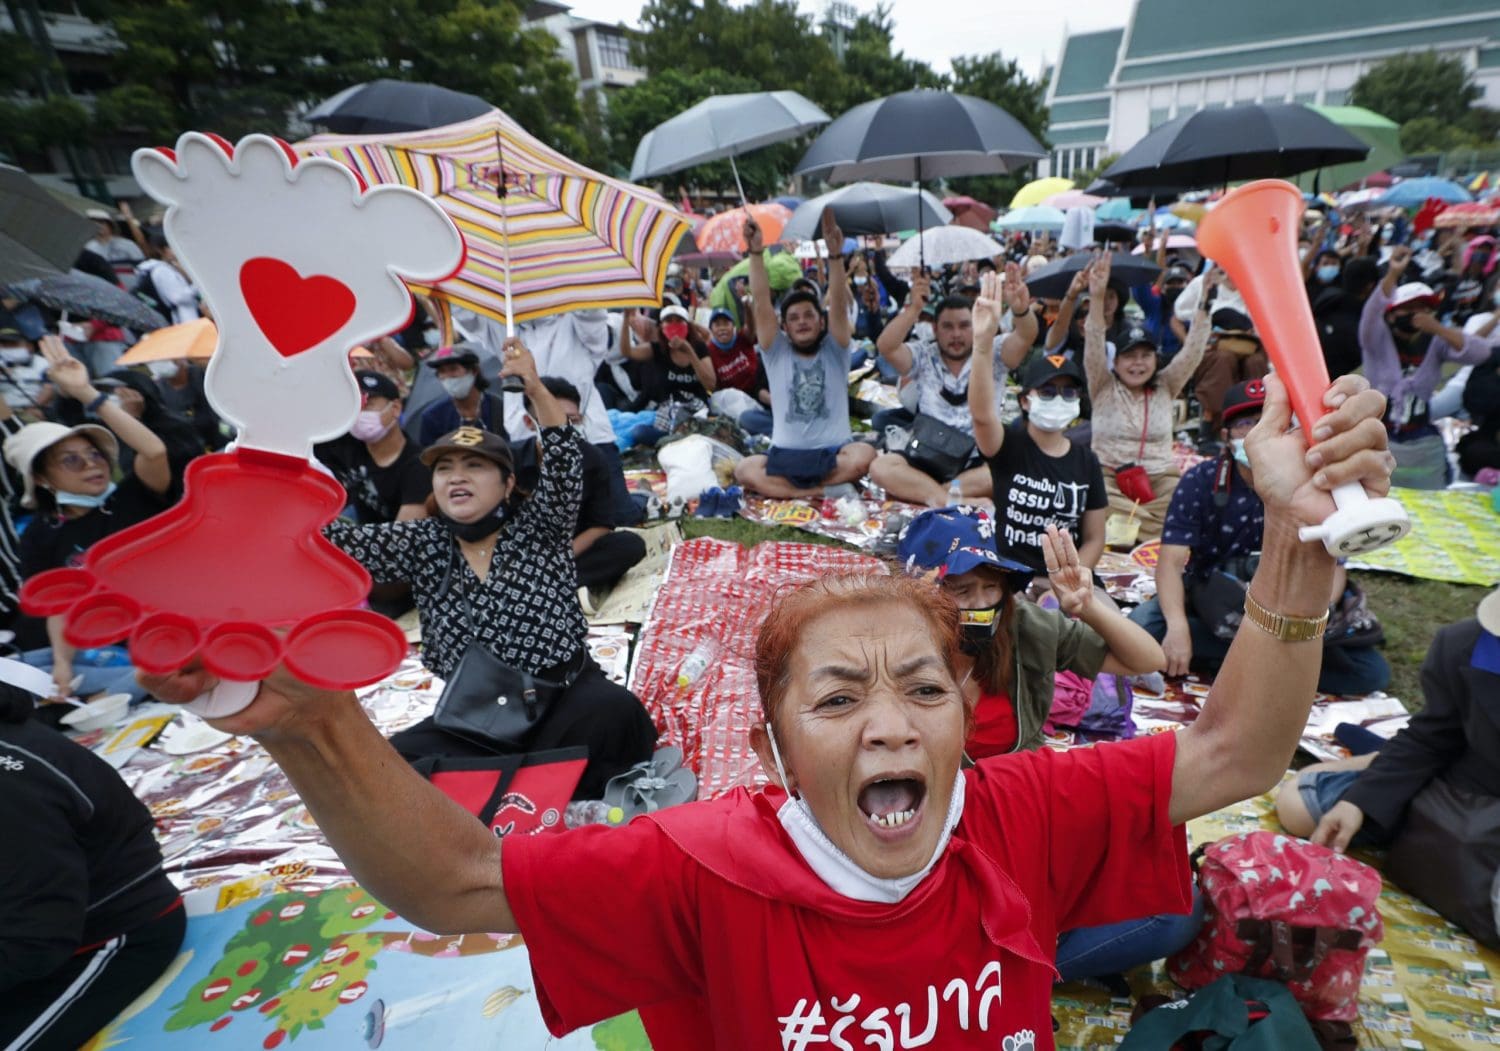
column 875, row 894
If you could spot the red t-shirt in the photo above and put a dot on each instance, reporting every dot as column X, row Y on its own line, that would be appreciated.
column 737, row 366
column 995, row 729
column 707, row 919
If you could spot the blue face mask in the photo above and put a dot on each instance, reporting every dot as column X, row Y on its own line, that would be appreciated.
column 723, row 344
column 84, row 499
column 1327, row 274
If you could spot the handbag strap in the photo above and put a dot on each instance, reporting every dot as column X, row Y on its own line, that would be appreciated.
column 1294, row 952
column 1145, row 426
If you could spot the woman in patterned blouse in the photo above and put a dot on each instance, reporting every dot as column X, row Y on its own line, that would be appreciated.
column 496, row 566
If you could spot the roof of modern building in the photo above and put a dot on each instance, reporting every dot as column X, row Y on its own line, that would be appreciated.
column 1086, row 62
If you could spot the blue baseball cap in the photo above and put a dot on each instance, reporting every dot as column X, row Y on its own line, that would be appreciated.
column 719, row 312
column 953, row 541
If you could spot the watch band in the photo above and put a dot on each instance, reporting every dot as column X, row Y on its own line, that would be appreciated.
column 93, row 406
column 1280, row 626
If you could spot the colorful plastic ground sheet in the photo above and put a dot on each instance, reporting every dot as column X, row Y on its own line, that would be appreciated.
column 1455, row 537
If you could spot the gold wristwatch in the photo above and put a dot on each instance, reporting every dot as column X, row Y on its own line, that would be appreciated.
column 1280, row 626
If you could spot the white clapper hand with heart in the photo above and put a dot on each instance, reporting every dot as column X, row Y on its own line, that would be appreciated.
column 298, row 264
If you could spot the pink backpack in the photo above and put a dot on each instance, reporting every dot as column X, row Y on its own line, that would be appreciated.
column 1282, row 908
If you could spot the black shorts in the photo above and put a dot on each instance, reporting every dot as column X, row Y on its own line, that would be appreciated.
column 804, row 468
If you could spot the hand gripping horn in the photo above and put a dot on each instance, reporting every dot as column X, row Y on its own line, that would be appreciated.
column 1252, row 234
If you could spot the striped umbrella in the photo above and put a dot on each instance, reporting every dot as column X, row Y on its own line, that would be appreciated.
column 725, row 231
column 559, row 237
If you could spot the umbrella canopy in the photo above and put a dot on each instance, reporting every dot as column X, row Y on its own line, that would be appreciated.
column 725, row 231
column 1073, row 199
column 85, row 295
column 1213, row 147
column 1035, row 217
column 1038, row 190
column 866, row 208
column 819, row 249
column 194, row 340
column 971, row 213
column 1381, row 134
column 1119, row 233
column 383, row 106
column 575, row 239
column 1139, row 196
column 1175, row 243
column 1468, row 215
column 921, row 134
column 689, row 254
column 1116, row 209
column 1380, row 180
column 722, row 126
column 1052, row 280
column 1411, row 193
column 1357, row 199
column 942, row 245
column 39, row 235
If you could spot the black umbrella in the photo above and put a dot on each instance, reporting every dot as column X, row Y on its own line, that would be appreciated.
column 39, row 235
column 1119, row 233
column 1214, row 147
column 84, row 295
column 923, row 134
column 866, row 208
column 395, row 105
column 1140, row 197
column 1126, row 271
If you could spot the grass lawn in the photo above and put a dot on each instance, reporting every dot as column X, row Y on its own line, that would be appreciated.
column 1409, row 610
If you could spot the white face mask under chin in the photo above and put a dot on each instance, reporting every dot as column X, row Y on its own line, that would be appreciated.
column 837, row 869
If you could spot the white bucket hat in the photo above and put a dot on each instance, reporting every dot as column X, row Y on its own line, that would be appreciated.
column 1489, row 612
column 24, row 447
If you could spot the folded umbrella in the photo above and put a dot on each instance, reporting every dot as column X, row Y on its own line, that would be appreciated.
column 942, row 245
column 866, row 208
column 386, row 105
column 84, row 295
column 1214, row 147
column 1052, row 280
column 39, row 235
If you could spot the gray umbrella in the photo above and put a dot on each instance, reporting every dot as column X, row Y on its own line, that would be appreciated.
column 723, row 126
column 84, row 295
column 39, row 235
column 395, row 105
column 923, row 134
column 867, row 208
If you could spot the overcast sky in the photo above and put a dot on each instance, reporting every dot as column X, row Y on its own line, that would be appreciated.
column 1029, row 31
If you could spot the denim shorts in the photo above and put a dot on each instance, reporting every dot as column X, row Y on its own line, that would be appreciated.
column 1322, row 789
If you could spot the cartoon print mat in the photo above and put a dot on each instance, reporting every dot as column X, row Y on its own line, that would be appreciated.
column 1426, row 986
column 333, row 969
column 1455, row 537
column 860, row 526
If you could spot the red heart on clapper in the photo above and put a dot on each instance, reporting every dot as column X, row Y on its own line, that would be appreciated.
column 293, row 311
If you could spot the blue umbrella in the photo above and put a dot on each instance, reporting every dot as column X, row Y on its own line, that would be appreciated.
column 1410, row 193
column 1036, row 217
column 1116, row 208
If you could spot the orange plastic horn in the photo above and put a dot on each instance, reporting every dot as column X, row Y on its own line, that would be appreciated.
column 1252, row 234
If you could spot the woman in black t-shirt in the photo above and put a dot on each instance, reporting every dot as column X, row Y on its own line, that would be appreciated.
column 69, row 477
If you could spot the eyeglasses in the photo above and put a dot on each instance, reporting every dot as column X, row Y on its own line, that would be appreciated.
column 81, row 461
column 575, row 418
column 1243, row 424
column 1065, row 393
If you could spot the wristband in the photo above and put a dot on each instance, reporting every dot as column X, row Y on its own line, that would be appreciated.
column 92, row 407
column 1282, row 627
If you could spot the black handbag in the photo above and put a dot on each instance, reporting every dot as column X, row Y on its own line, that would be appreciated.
column 940, row 450
column 1445, row 820
column 489, row 702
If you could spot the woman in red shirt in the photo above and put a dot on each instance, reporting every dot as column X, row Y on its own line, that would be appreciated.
column 876, row 895
column 1010, row 650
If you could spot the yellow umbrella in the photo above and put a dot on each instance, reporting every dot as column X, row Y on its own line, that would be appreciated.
column 1192, row 211
column 1039, row 190
column 193, row 340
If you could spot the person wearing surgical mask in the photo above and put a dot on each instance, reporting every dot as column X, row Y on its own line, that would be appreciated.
column 1210, row 548
column 375, row 463
column 468, row 403
column 69, row 474
column 1039, row 477
column 23, row 375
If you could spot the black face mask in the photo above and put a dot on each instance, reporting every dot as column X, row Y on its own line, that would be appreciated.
column 475, row 531
column 974, row 637
column 1404, row 325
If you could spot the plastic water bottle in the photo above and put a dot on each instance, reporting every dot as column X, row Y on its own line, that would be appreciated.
column 955, row 493
column 582, row 812
column 695, row 664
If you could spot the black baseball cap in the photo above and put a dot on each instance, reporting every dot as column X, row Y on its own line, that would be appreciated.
column 458, row 354
column 1048, row 368
column 1137, row 337
column 799, row 295
column 377, row 385
column 1245, row 397
column 471, row 440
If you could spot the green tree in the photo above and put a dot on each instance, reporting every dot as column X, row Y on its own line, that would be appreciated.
column 872, row 68
column 243, row 66
column 1432, row 97
column 1001, row 81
